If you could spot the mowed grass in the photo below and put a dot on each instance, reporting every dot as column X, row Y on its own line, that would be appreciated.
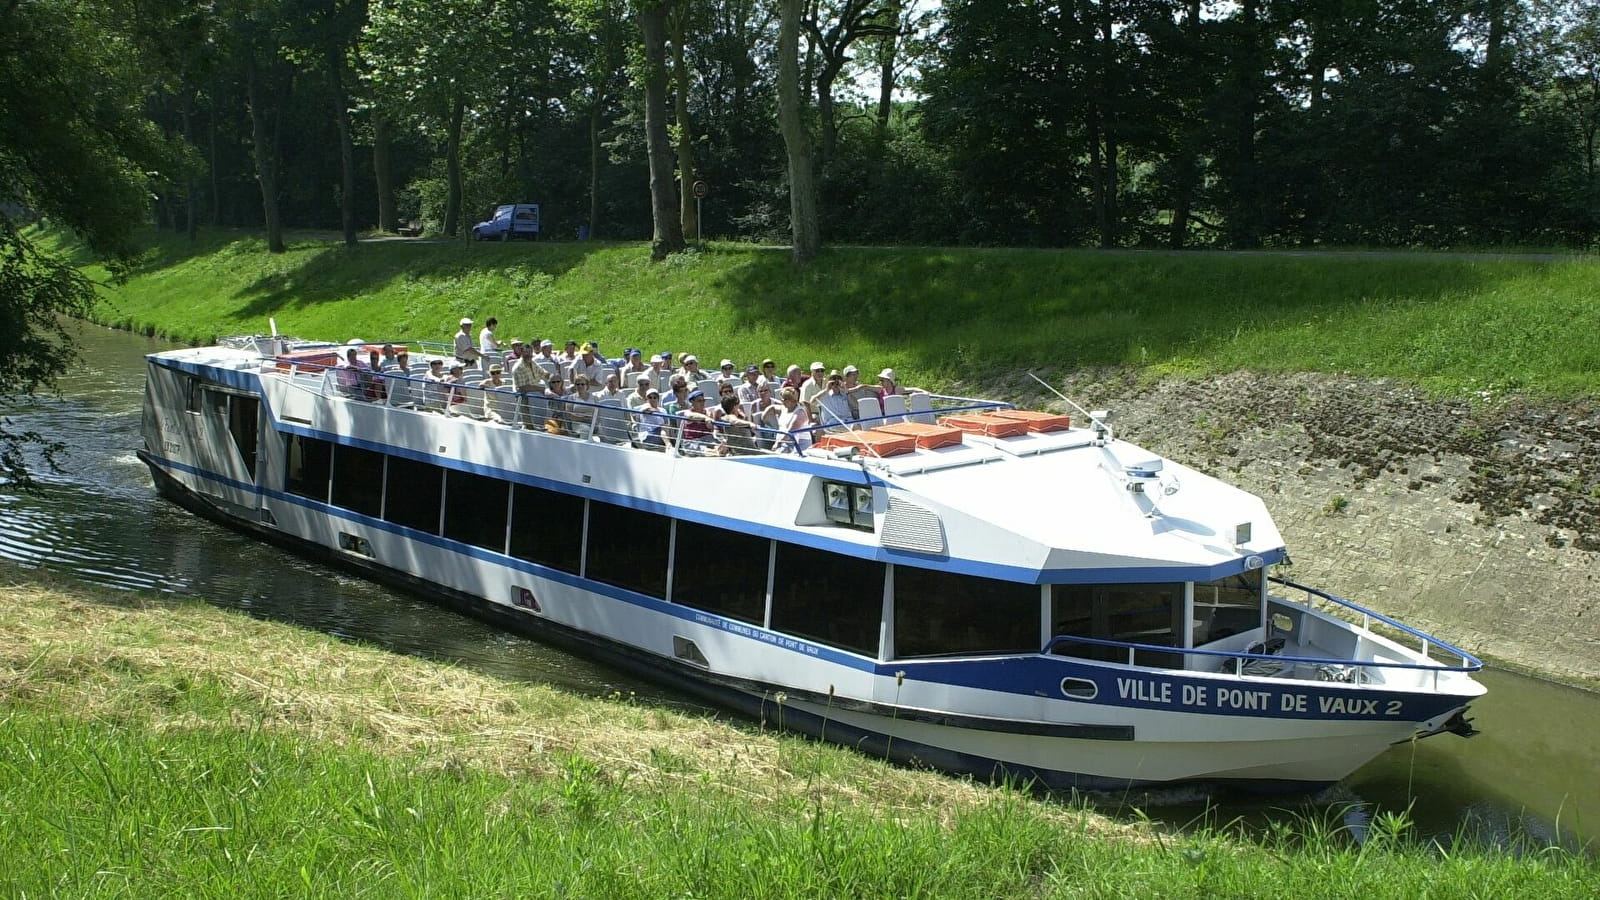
column 159, row 748
column 942, row 317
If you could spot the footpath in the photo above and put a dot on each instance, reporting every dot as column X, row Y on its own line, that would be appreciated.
column 1476, row 520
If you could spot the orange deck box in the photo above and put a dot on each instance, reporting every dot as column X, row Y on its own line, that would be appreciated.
column 929, row 437
column 988, row 424
column 873, row 442
column 1038, row 421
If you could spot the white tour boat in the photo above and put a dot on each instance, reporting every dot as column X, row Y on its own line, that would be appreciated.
column 949, row 582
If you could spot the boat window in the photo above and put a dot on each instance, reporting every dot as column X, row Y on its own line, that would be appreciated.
column 411, row 492
column 1226, row 607
column 307, row 464
column 243, row 413
column 475, row 509
column 720, row 571
column 628, row 548
column 828, row 598
column 1135, row 613
column 191, row 396
column 358, row 480
column 547, row 528
column 942, row 613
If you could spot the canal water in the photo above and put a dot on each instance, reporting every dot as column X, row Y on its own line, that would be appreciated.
column 1530, row 776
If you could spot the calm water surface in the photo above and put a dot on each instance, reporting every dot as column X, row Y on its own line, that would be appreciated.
column 1533, row 772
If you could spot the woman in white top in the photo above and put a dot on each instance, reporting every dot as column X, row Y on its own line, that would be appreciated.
column 793, row 422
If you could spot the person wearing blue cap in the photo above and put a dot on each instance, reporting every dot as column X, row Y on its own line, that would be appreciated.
column 696, row 434
column 633, row 364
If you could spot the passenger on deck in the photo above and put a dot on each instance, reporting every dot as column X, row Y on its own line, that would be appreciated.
column 351, row 375
column 769, row 373
column 660, row 371
column 652, row 428
column 726, row 373
column 487, row 344
column 435, row 392
column 855, row 389
column 457, row 382
column 580, row 415
column 588, row 365
column 527, row 379
column 386, row 359
column 397, row 379
column 696, row 437
column 633, row 364
column 766, row 417
column 889, row 385
column 691, row 368
column 612, row 389
column 499, row 403
column 547, row 361
column 678, row 400
column 569, row 354
column 834, row 408
column 738, row 433
column 466, row 353
column 792, row 423
column 642, row 383
column 748, row 389
column 812, row 387
column 793, row 378
column 555, row 393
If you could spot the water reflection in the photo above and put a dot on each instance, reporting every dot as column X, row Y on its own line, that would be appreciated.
column 1530, row 773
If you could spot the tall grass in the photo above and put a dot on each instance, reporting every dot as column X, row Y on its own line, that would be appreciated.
column 941, row 316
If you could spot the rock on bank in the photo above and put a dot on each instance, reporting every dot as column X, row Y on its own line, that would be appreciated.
column 1478, row 520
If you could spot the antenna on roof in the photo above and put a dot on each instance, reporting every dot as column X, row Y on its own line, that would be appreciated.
column 1100, row 419
column 273, row 321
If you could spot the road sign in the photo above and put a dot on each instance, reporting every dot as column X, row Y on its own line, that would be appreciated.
column 700, row 189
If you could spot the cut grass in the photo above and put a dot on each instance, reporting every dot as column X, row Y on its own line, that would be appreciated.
column 158, row 748
column 942, row 317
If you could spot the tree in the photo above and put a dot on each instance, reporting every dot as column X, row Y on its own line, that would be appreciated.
column 667, row 234
column 803, row 222
column 75, row 151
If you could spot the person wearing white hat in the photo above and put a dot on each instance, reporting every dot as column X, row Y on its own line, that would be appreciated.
column 813, row 386
column 466, row 353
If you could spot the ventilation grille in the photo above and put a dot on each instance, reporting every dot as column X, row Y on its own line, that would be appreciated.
column 910, row 526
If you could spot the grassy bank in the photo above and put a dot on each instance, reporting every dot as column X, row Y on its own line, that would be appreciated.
column 165, row 748
column 941, row 316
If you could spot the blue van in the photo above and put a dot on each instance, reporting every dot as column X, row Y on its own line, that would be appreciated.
column 512, row 221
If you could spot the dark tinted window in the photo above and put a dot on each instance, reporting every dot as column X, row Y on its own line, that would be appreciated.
column 413, row 494
column 628, row 548
column 475, row 509
column 358, row 480
column 242, row 415
column 308, row 463
column 827, row 597
column 939, row 613
column 547, row 528
column 721, row 571
column 1134, row 613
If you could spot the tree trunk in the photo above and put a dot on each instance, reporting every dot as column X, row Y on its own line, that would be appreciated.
column 667, row 236
column 191, row 185
column 452, row 167
column 347, row 150
column 803, row 217
column 265, row 152
column 888, row 49
column 595, row 112
column 689, row 209
column 825, row 114
column 1244, row 217
column 383, row 174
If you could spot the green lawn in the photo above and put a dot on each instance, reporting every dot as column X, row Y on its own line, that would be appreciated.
column 152, row 747
column 1457, row 324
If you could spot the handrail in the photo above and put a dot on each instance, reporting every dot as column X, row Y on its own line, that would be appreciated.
column 1242, row 655
column 1469, row 663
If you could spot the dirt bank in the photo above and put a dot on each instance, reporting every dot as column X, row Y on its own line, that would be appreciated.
column 1478, row 519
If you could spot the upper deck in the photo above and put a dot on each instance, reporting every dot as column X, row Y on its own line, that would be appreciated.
column 1059, row 506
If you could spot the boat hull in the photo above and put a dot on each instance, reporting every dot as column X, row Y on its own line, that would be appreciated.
column 900, row 713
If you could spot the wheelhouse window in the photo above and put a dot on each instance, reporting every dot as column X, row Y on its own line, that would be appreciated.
column 413, row 491
column 1226, row 607
column 547, row 528
column 307, row 465
column 358, row 480
column 475, row 509
column 827, row 597
column 628, row 548
column 721, row 571
column 1132, row 613
column 944, row 614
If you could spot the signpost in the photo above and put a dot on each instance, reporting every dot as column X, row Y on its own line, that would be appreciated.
column 700, row 190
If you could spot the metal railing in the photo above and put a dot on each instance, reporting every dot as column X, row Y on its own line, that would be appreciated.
column 1426, row 642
